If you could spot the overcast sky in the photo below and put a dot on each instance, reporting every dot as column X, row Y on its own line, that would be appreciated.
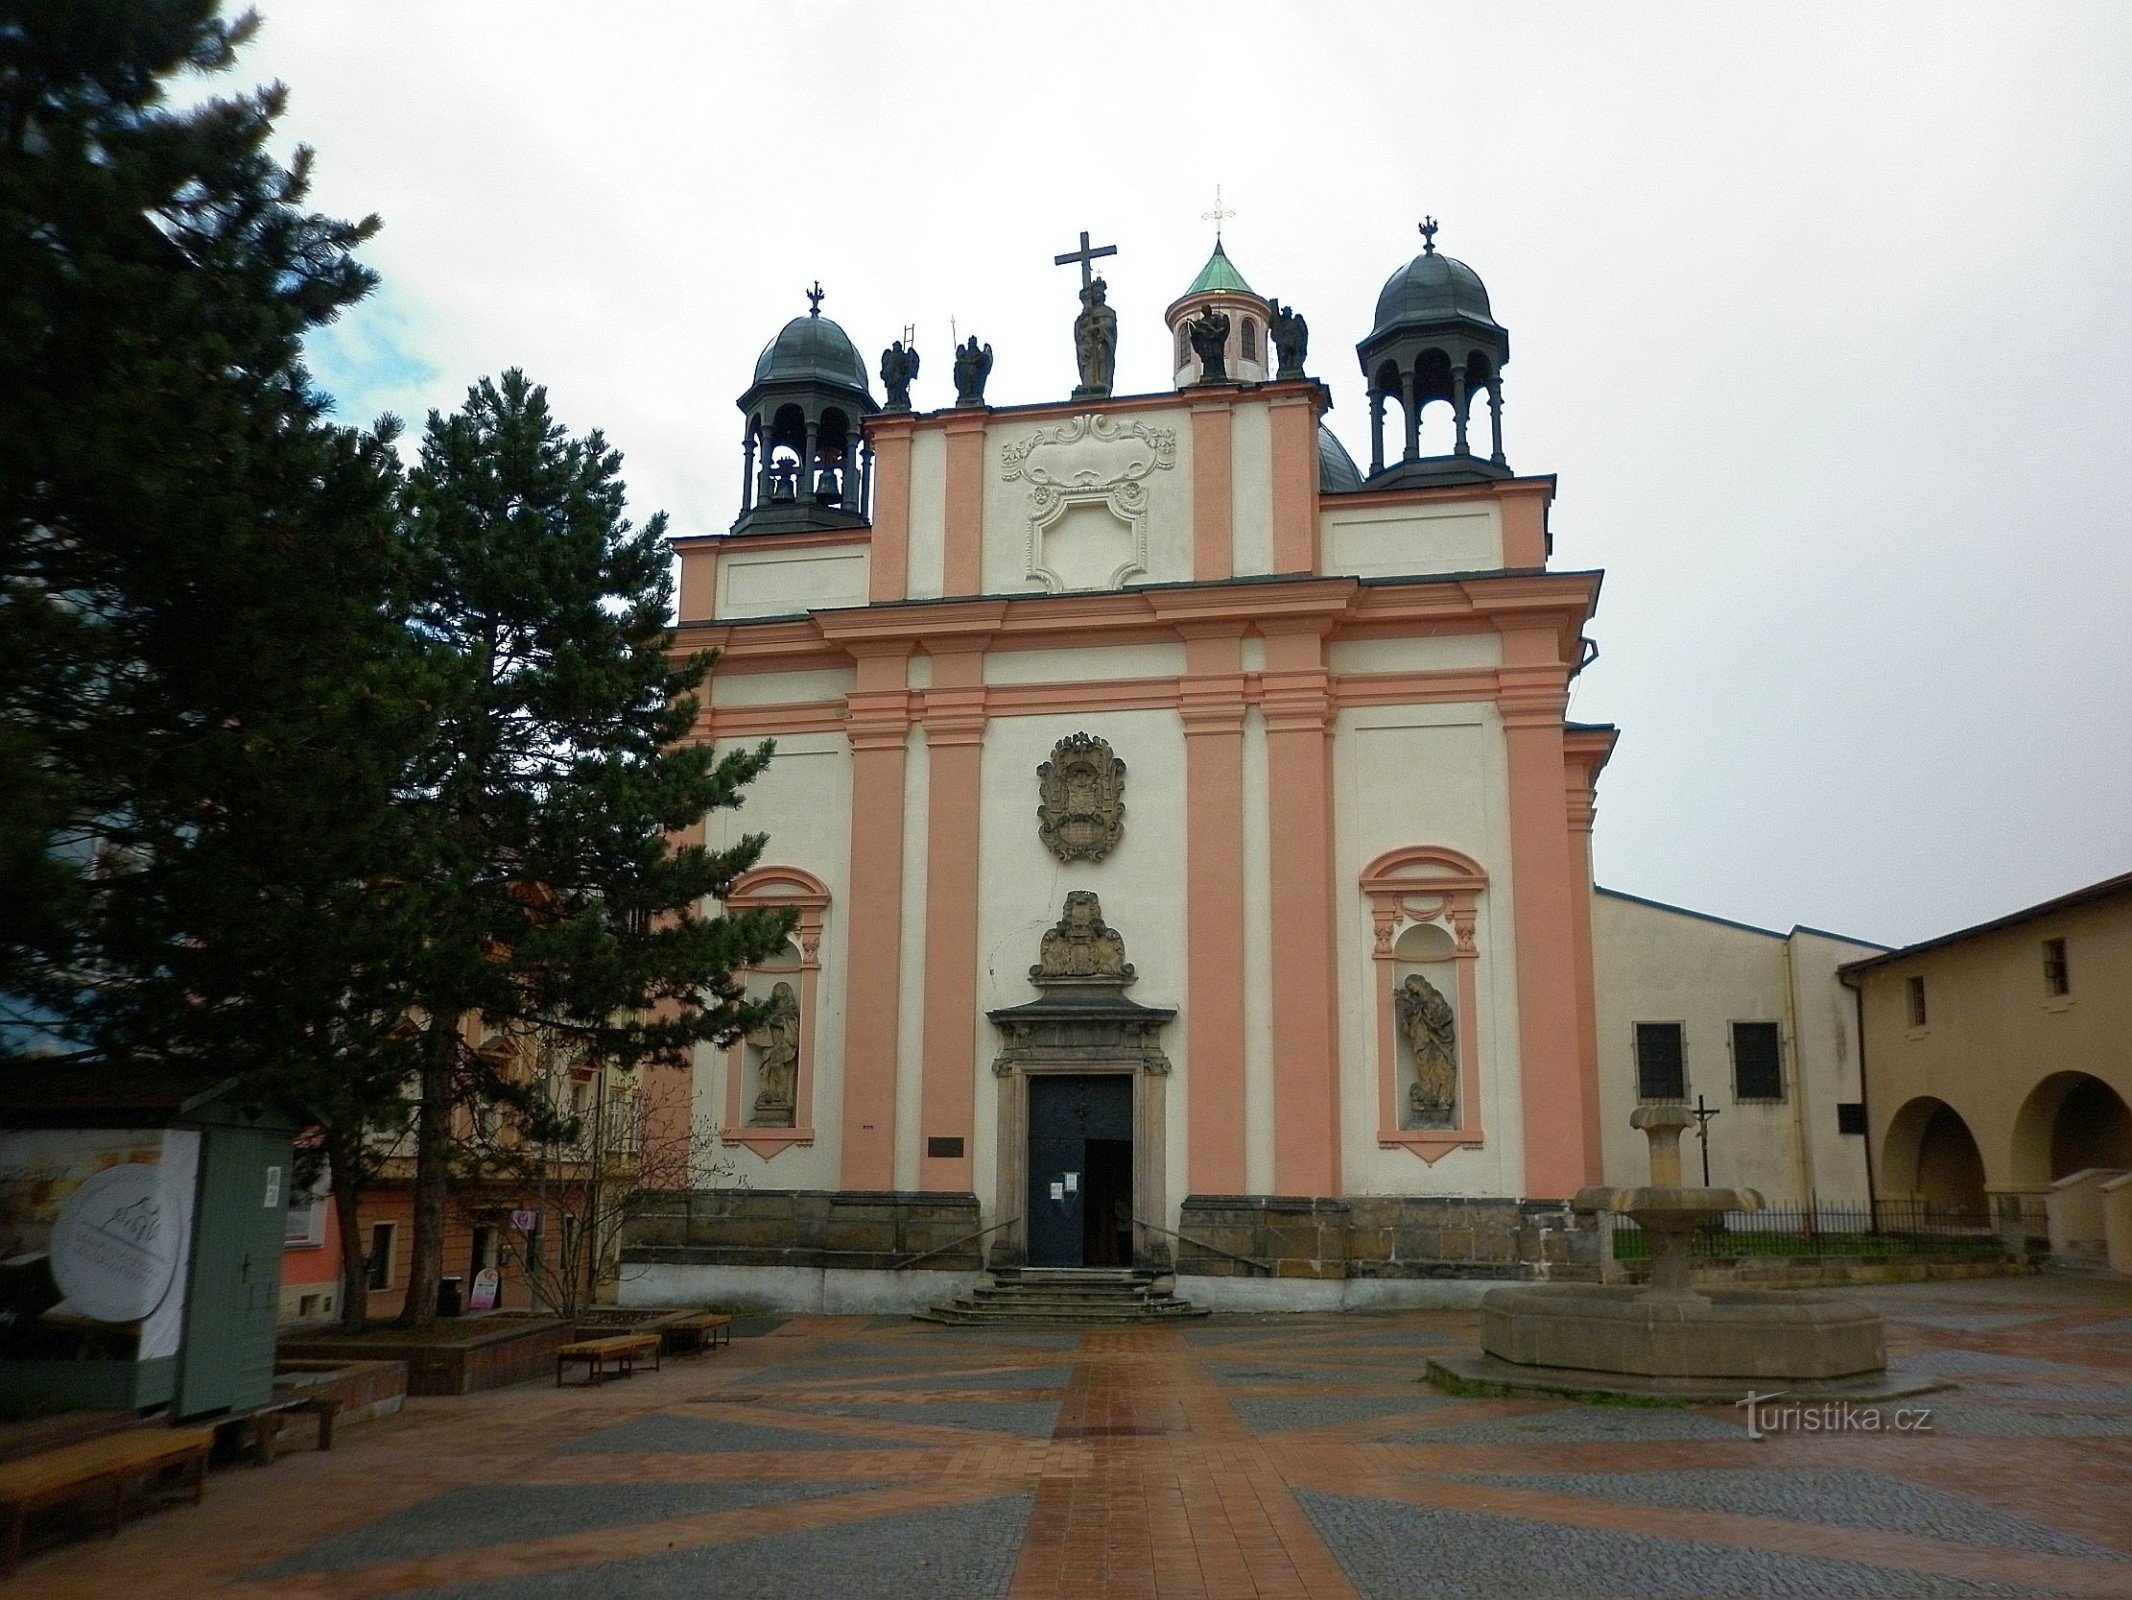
column 1819, row 312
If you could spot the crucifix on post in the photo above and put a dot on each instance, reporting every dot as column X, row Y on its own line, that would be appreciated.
column 1095, row 330
column 1702, row 1115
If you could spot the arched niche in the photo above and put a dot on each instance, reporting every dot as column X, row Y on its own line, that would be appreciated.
column 1425, row 904
column 798, row 965
column 1930, row 1154
column 2071, row 1121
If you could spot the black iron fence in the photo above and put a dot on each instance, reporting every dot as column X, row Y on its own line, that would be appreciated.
column 1886, row 1228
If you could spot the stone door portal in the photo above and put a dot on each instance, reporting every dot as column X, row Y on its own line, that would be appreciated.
column 1080, row 1205
column 1081, row 1077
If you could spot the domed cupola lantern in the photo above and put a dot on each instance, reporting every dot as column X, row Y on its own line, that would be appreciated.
column 1435, row 339
column 809, row 468
column 1220, row 292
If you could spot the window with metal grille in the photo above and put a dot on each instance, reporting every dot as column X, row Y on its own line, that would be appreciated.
column 1661, row 1061
column 2057, row 977
column 1757, row 1062
column 1916, row 990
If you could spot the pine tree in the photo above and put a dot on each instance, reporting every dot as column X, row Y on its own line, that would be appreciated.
column 203, row 671
column 543, row 866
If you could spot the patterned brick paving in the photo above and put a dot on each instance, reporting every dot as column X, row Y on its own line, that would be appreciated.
column 851, row 1457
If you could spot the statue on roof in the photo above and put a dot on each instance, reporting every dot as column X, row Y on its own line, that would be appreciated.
column 1095, row 342
column 1209, row 332
column 1291, row 339
column 972, row 367
column 899, row 365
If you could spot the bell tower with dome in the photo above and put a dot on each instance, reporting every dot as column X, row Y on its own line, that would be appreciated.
column 1221, row 288
column 1435, row 339
column 808, row 468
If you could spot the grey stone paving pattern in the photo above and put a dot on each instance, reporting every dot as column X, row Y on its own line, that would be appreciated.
column 1831, row 1497
column 857, row 1371
column 1280, row 1413
column 2072, row 1394
column 989, row 1338
column 506, row 1513
column 1030, row 1419
column 665, row 1434
column 2119, row 1327
column 955, row 1553
column 1014, row 1378
column 1962, row 1321
column 1980, row 1364
column 1240, row 1373
column 1400, row 1552
column 1577, row 1424
column 2019, row 1422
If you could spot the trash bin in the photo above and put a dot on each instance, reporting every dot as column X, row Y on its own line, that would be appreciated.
column 448, row 1301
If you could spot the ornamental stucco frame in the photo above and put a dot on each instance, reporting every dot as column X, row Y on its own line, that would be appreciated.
column 772, row 889
column 1123, row 495
column 1413, row 885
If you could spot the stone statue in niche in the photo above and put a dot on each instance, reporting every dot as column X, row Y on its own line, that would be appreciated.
column 778, row 1041
column 1209, row 332
column 1082, row 945
column 1431, row 1035
column 1080, row 809
column 1095, row 341
column 899, row 366
column 1291, row 339
column 972, row 367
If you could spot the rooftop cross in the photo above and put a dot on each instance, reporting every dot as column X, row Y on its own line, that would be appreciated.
column 814, row 299
column 1217, row 215
column 1428, row 236
column 1084, row 255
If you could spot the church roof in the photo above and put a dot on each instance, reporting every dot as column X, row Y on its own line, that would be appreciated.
column 1337, row 472
column 1219, row 276
column 811, row 348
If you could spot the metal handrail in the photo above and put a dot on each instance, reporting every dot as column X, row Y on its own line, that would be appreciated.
column 941, row 1250
column 1249, row 1261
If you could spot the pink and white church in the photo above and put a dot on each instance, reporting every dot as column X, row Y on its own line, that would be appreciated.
column 1190, row 847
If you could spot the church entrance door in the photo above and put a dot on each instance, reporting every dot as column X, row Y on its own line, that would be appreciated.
column 1080, row 1170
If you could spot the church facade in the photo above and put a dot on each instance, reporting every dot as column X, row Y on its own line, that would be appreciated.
column 1189, row 847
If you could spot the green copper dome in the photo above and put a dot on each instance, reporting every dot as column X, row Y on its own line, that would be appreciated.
column 811, row 348
column 1219, row 276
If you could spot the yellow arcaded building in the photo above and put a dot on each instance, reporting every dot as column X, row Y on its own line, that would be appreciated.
column 1998, row 1064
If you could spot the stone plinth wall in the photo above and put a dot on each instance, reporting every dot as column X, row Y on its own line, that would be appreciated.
column 1384, row 1236
column 363, row 1389
column 519, row 1349
column 810, row 1228
column 1806, row 1272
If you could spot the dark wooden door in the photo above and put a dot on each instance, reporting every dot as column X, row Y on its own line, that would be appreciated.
column 1065, row 1115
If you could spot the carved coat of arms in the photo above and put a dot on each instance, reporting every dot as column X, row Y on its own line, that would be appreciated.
column 1081, row 799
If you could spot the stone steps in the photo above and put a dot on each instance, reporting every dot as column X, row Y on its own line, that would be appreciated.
column 1062, row 1296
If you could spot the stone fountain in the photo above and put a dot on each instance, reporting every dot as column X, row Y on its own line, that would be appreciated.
column 1669, row 1338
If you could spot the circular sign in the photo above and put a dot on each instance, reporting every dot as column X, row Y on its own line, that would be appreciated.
column 115, row 1244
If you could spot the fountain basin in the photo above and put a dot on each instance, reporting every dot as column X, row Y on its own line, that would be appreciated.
column 1721, row 1333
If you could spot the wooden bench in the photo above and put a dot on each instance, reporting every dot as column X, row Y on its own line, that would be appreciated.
column 262, row 1428
column 622, row 1348
column 705, row 1331
column 113, row 1464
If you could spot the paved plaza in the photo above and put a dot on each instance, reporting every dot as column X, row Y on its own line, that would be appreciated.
column 837, row 1458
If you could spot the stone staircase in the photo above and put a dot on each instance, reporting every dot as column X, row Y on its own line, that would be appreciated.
column 1025, row 1295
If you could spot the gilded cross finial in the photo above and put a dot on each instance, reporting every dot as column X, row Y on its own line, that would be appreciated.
column 1428, row 236
column 1217, row 215
column 814, row 299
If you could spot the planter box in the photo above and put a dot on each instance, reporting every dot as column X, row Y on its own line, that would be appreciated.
column 364, row 1389
column 521, row 1348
